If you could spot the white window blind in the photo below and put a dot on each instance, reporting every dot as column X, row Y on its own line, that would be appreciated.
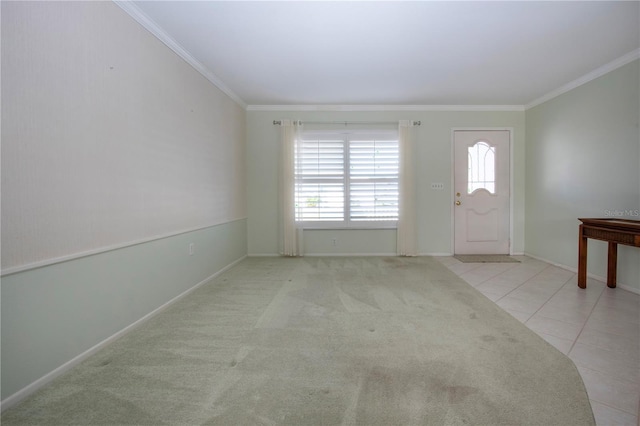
column 347, row 180
column 320, row 179
column 373, row 183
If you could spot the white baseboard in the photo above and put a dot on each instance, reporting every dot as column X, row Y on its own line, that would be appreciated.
column 349, row 254
column 323, row 254
column 589, row 275
column 14, row 399
column 451, row 254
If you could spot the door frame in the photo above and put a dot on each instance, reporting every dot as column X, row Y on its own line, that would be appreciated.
column 511, row 174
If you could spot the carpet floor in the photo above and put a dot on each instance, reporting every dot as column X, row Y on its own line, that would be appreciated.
column 321, row 341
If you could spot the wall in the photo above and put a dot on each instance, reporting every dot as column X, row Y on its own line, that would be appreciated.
column 53, row 314
column 433, row 164
column 108, row 135
column 583, row 160
column 116, row 155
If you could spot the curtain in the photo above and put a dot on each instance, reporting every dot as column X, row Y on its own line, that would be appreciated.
column 291, row 242
column 406, row 233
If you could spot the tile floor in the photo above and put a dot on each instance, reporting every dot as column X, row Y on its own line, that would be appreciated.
column 598, row 328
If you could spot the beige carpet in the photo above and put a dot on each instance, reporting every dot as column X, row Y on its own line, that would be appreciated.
column 485, row 258
column 322, row 341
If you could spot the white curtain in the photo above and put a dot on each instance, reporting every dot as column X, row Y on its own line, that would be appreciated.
column 291, row 242
column 407, row 242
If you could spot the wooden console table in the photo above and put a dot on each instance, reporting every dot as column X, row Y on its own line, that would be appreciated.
column 614, row 231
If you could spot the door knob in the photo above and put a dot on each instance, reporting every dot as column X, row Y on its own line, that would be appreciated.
column 458, row 203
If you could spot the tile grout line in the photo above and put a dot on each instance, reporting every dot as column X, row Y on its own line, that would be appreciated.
column 635, row 416
column 490, row 278
column 544, row 304
column 551, row 297
column 523, row 283
column 469, row 270
column 604, row 403
column 515, row 288
column 586, row 321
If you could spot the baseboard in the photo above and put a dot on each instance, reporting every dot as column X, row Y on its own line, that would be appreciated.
column 17, row 397
column 325, row 254
column 349, row 254
column 589, row 275
column 438, row 254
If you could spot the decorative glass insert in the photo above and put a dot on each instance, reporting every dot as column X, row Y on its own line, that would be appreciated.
column 482, row 168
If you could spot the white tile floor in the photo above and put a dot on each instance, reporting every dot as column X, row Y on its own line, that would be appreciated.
column 598, row 327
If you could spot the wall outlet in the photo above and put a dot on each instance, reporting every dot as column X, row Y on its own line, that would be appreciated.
column 438, row 186
column 192, row 249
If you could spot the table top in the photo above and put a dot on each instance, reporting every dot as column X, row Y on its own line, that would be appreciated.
column 613, row 223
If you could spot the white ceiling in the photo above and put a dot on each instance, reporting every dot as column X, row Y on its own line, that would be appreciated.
column 395, row 52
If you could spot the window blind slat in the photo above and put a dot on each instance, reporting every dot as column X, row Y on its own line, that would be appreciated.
column 371, row 176
column 373, row 180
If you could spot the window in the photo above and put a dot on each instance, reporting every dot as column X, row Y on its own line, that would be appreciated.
column 347, row 180
column 482, row 170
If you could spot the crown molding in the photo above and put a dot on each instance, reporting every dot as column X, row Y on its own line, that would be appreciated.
column 136, row 13
column 130, row 8
column 385, row 108
column 598, row 72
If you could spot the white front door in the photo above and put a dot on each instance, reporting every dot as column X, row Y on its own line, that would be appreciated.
column 481, row 191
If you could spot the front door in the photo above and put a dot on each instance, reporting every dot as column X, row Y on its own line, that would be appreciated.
column 481, row 191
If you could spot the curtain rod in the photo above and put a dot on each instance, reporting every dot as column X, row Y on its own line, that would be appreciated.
column 415, row 123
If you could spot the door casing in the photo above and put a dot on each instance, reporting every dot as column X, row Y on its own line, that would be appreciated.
column 511, row 174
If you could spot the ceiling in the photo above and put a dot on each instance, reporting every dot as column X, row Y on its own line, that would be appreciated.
column 395, row 52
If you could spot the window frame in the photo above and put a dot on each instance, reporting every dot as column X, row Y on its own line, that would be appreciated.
column 348, row 136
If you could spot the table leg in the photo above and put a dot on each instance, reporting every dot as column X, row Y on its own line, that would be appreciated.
column 582, row 259
column 612, row 265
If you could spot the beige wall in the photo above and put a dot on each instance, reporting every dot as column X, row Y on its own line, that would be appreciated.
column 108, row 137
column 583, row 160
